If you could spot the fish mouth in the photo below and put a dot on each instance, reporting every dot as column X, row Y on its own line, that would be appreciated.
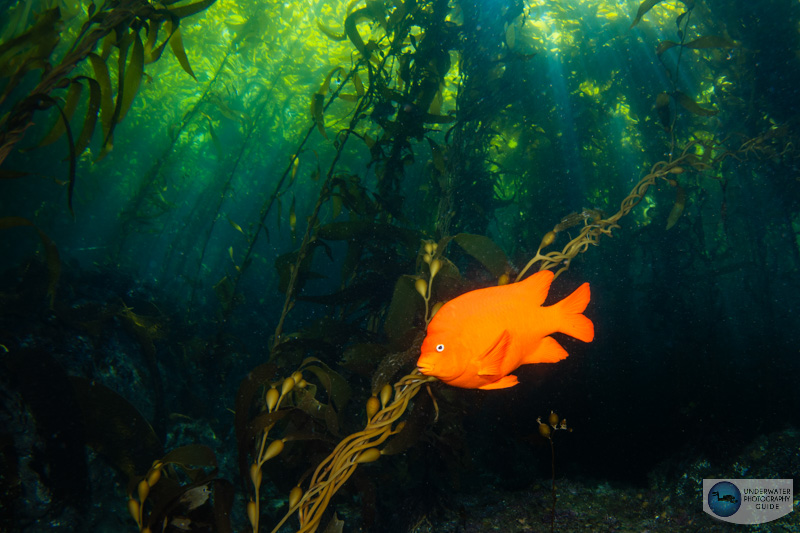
column 424, row 368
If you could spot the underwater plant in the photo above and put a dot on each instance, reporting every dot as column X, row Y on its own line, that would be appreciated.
column 546, row 430
column 118, row 24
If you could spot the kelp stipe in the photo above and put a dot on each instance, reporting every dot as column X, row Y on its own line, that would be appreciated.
column 546, row 430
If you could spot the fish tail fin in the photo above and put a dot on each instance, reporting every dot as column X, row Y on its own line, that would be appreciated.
column 571, row 319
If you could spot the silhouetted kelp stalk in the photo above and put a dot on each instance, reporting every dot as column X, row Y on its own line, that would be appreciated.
column 595, row 226
column 546, row 430
column 290, row 174
column 251, row 128
column 177, row 484
column 149, row 186
column 358, row 448
column 251, row 122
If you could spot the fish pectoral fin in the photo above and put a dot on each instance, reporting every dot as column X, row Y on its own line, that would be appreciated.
column 502, row 383
column 491, row 363
column 548, row 351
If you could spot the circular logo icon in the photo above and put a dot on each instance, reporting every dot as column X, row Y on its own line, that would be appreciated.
column 724, row 499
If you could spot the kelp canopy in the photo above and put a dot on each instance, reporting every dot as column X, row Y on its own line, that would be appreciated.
column 279, row 178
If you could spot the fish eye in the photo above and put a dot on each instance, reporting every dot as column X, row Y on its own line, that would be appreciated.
column 440, row 347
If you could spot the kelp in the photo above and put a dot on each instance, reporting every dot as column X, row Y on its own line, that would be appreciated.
column 119, row 24
column 678, row 207
column 647, row 5
column 358, row 448
column 663, row 171
column 181, row 488
column 294, row 399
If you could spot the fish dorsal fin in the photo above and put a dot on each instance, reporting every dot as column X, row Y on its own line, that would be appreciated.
column 537, row 285
column 491, row 363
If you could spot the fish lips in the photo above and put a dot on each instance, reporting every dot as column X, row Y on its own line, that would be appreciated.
column 425, row 367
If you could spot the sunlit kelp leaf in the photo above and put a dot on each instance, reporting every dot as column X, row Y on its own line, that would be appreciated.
column 485, row 251
column 151, row 54
column 293, row 220
column 317, row 107
column 358, row 84
column 663, row 111
column 70, row 143
column 133, row 76
column 693, row 107
column 29, row 50
column 647, row 5
column 115, row 428
column 123, row 43
column 103, row 78
column 330, row 33
column 511, row 35
column 403, row 311
column 678, row 207
column 70, row 103
column 371, row 12
column 236, row 226
column 176, row 45
column 92, row 111
column 318, row 101
column 152, row 39
column 295, row 161
column 191, row 9
column 644, row 7
column 16, row 20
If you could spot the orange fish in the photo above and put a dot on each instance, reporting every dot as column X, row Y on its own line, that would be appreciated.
column 476, row 340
